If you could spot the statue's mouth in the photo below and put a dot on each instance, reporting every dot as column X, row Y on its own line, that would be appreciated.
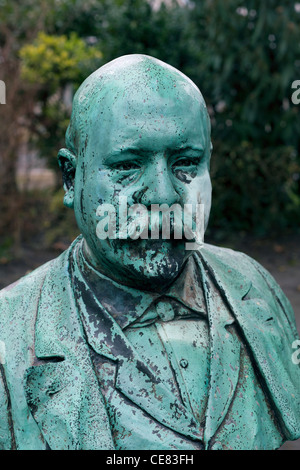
column 161, row 223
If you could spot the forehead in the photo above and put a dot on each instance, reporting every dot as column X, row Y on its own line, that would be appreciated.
column 152, row 124
column 142, row 104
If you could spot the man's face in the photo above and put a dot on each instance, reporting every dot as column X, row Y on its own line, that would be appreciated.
column 149, row 147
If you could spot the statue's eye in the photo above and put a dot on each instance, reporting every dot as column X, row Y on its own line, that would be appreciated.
column 186, row 163
column 126, row 166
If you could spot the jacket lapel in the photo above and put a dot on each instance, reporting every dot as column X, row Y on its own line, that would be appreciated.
column 225, row 358
column 61, row 388
column 253, row 304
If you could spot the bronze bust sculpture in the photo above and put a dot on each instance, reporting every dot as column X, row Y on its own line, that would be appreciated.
column 132, row 342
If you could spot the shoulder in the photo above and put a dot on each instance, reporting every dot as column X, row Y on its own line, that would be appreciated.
column 239, row 261
column 25, row 284
column 226, row 260
column 225, row 254
column 32, row 282
column 19, row 301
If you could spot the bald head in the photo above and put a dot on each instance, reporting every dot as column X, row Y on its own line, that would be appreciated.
column 131, row 80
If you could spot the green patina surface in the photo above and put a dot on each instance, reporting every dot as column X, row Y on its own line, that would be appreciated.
column 142, row 344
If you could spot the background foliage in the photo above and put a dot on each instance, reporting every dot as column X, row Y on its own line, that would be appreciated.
column 243, row 55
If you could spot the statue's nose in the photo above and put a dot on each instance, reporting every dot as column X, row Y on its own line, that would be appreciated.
column 158, row 187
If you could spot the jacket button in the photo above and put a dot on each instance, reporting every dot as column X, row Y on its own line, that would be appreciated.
column 184, row 363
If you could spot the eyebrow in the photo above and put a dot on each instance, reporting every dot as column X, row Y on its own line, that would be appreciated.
column 122, row 152
column 140, row 152
column 188, row 148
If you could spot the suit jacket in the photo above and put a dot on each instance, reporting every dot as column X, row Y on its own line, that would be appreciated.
column 49, row 394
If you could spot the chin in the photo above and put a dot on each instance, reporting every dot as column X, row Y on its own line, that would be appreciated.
column 153, row 263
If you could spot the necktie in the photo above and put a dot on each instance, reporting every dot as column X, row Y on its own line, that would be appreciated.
column 165, row 309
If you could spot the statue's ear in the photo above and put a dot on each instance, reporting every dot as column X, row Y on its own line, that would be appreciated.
column 67, row 163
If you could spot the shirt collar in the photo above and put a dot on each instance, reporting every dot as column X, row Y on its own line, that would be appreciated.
column 127, row 304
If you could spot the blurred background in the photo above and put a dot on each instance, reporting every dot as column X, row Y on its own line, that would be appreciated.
column 243, row 54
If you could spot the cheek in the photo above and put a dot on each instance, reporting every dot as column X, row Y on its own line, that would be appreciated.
column 205, row 190
column 82, row 208
column 205, row 198
column 199, row 190
column 86, row 203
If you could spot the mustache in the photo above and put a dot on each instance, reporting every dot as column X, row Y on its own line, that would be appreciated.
column 167, row 224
